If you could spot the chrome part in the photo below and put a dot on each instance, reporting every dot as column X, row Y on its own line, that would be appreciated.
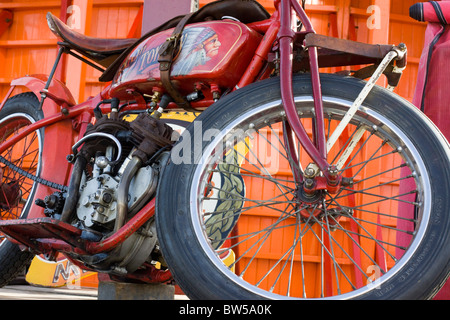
column 96, row 135
column 103, row 198
column 361, row 97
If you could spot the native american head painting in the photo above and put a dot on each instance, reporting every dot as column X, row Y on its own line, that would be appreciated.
column 199, row 45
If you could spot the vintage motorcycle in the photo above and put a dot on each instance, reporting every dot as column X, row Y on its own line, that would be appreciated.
column 290, row 183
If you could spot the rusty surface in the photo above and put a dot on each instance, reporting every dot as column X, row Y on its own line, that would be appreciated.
column 375, row 51
column 334, row 52
column 28, row 232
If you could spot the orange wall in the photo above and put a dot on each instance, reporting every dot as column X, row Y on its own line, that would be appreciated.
column 29, row 47
column 349, row 19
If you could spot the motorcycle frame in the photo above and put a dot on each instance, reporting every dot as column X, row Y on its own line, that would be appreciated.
column 65, row 122
column 278, row 26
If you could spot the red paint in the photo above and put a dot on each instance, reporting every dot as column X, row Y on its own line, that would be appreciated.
column 260, row 57
column 216, row 52
column 37, row 82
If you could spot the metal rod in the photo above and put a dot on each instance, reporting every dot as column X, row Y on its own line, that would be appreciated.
column 286, row 41
column 360, row 99
column 86, row 61
column 100, row 134
column 74, row 187
column 122, row 199
column 50, row 77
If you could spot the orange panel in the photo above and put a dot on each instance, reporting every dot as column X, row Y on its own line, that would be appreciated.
column 26, row 47
column 109, row 22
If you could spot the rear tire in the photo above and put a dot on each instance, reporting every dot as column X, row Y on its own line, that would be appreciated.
column 18, row 112
column 358, row 243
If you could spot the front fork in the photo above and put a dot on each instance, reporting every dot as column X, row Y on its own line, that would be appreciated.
column 319, row 175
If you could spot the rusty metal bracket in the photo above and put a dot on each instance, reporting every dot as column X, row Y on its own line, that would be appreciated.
column 334, row 52
column 374, row 51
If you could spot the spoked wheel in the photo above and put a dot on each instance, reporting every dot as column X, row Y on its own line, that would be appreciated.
column 238, row 225
column 17, row 190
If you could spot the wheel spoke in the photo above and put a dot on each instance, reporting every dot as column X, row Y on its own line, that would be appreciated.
column 325, row 245
column 25, row 155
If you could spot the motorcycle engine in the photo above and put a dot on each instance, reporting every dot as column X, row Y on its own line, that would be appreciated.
column 123, row 164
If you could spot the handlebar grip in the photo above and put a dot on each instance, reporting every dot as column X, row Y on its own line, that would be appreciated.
column 433, row 11
column 416, row 11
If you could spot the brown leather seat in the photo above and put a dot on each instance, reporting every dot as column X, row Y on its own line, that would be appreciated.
column 100, row 50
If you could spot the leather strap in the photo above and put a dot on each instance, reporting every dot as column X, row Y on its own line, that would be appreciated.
column 169, row 50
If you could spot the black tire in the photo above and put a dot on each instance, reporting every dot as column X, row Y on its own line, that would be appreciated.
column 422, row 264
column 19, row 111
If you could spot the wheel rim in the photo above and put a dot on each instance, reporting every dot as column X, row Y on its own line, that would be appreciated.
column 25, row 154
column 354, row 251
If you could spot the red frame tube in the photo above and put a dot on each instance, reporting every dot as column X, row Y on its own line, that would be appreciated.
column 260, row 57
column 123, row 233
column 317, row 150
column 86, row 247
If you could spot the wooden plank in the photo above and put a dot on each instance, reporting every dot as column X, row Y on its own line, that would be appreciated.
column 76, row 70
column 30, row 5
column 57, row 4
column 118, row 3
column 6, row 17
column 27, row 43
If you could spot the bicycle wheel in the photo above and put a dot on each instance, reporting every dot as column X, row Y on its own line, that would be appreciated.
column 236, row 224
column 17, row 191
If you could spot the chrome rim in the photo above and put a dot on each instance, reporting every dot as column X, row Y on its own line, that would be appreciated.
column 342, row 267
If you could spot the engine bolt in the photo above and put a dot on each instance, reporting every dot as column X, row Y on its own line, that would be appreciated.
column 107, row 198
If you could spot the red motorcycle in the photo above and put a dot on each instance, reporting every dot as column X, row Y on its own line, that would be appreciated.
column 290, row 183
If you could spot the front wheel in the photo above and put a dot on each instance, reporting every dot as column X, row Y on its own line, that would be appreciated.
column 234, row 223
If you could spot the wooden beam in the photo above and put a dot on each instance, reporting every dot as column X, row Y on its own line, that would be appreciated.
column 80, row 21
column 29, row 5
column 343, row 18
column 27, row 43
column 378, row 21
column 110, row 3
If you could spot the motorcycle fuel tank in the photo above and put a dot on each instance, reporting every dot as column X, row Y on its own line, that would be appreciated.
column 212, row 53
